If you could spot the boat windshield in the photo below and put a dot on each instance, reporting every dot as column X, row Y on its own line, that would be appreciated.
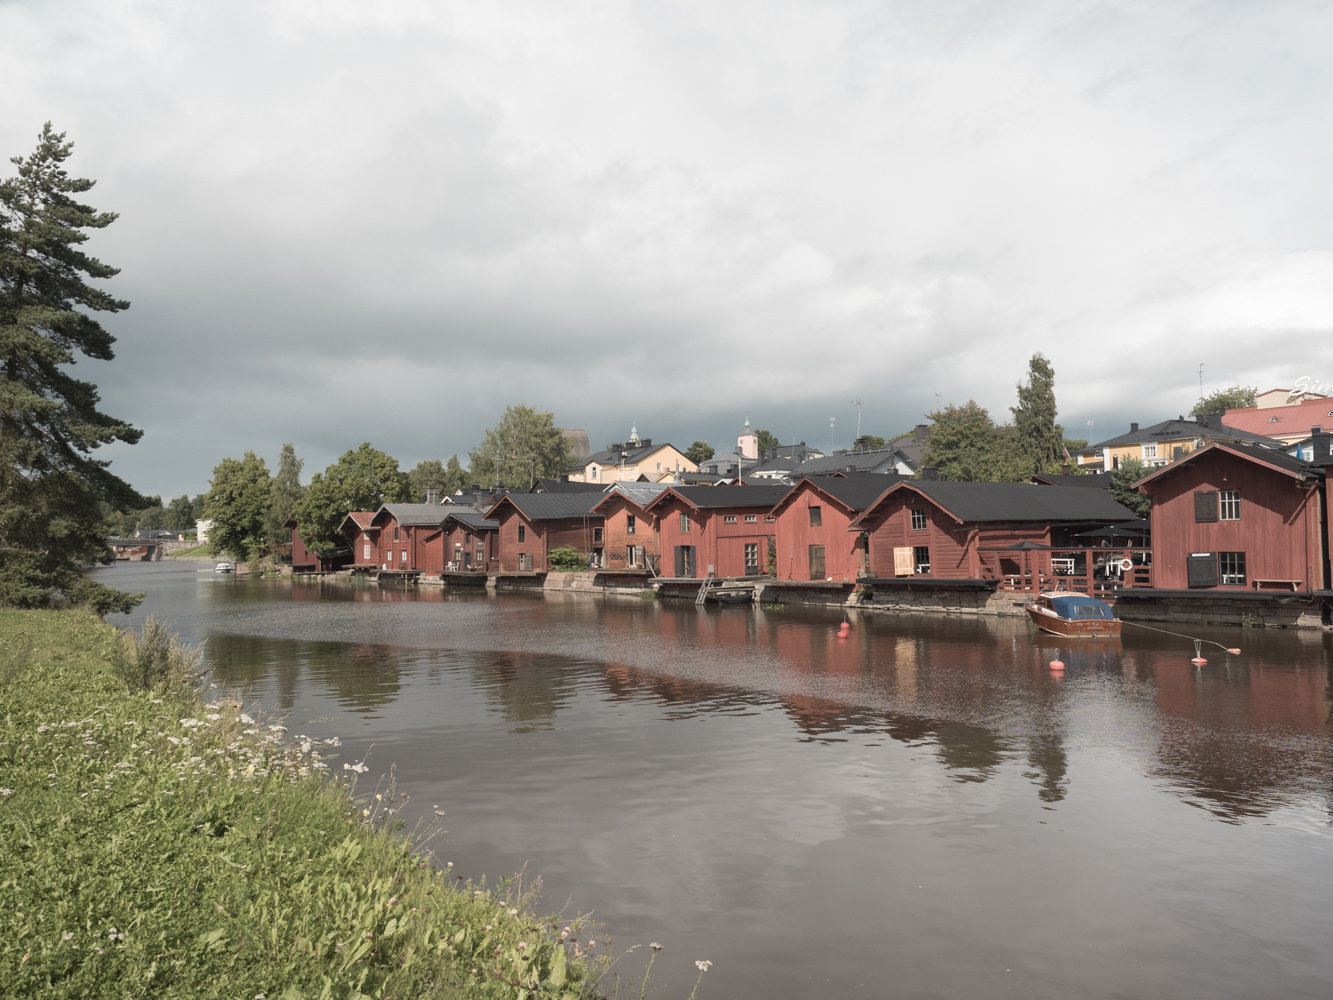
column 1078, row 606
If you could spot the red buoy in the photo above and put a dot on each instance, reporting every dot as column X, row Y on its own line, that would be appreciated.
column 1199, row 660
column 1234, row 652
column 1057, row 665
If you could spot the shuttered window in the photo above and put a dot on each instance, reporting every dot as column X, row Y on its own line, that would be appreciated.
column 1229, row 505
column 902, row 560
column 816, row 560
column 1202, row 568
column 921, row 556
column 1232, row 565
column 1205, row 505
column 816, row 517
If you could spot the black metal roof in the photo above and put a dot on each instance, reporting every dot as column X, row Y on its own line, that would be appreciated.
column 566, row 486
column 860, row 461
column 1086, row 480
column 413, row 514
column 857, row 490
column 553, row 506
column 470, row 519
column 731, row 496
column 1178, row 430
column 1020, row 501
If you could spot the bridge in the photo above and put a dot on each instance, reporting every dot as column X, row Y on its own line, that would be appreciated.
column 137, row 549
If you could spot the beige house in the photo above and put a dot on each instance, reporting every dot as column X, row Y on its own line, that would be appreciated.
column 637, row 459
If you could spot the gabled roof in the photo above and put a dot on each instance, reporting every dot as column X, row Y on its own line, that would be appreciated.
column 639, row 494
column 855, row 492
column 713, row 497
column 1181, row 429
column 469, row 519
column 1282, row 420
column 411, row 514
column 1096, row 482
column 881, row 460
column 1012, row 502
column 360, row 519
column 551, row 506
column 565, row 486
column 633, row 456
column 1274, row 458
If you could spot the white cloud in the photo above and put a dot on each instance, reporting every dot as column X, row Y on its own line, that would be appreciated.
column 344, row 221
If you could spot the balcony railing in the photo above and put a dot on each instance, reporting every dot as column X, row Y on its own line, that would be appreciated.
column 1093, row 571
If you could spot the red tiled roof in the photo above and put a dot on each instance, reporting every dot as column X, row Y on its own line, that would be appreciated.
column 1282, row 421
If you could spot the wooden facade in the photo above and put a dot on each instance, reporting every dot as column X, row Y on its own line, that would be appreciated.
column 722, row 531
column 471, row 543
column 1237, row 517
column 812, row 527
column 531, row 525
column 630, row 533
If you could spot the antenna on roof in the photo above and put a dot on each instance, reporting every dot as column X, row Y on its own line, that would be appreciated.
column 1200, row 380
column 858, row 418
column 830, row 434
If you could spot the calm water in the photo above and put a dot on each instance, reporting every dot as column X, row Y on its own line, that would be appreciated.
column 920, row 810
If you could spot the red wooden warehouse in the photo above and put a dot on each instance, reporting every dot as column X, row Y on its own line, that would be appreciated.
column 630, row 537
column 719, row 531
column 531, row 525
column 979, row 532
column 811, row 530
column 470, row 541
column 1239, row 517
column 363, row 539
column 306, row 561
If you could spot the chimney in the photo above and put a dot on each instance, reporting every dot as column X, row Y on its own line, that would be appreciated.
column 920, row 432
column 849, row 469
column 476, row 486
column 645, row 442
column 1133, row 428
column 1321, row 447
column 930, row 474
column 433, row 494
column 1065, row 470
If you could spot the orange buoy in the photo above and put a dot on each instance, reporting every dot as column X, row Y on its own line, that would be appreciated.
column 1199, row 660
column 1234, row 652
column 846, row 625
column 1057, row 665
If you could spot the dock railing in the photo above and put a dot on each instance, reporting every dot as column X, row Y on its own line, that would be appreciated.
column 1097, row 572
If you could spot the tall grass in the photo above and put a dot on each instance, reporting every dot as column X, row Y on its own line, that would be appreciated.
column 159, row 845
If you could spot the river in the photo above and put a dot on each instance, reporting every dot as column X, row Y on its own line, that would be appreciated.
column 919, row 810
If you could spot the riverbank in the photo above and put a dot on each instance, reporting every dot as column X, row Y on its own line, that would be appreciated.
column 160, row 845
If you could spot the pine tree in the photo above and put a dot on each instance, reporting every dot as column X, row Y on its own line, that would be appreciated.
column 284, row 496
column 52, row 492
column 1040, row 439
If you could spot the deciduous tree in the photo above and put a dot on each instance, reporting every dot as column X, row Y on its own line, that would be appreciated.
column 362, row 479
column 1236, row 397
column 767, row 441
column 432, row 473
column 524, row 445
column 1131, row 470
column 52, row 491
column 699, row 452
column 237, row 503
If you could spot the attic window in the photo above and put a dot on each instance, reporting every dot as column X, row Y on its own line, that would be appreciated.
column 1273, row 420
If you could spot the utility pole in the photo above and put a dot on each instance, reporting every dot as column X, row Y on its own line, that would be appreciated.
column 830, row 434
column 858, row 419
column 1200, row 380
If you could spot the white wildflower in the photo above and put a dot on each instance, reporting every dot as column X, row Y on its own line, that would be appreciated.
column 703, row 966
column 212, row 716
column 6, row 792
column 67, row 936
column 247, row 719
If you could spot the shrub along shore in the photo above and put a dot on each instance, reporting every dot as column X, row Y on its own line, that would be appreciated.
column 159, row 844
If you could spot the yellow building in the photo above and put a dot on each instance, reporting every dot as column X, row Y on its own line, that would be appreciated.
column 635, row 459
column 1162, row 443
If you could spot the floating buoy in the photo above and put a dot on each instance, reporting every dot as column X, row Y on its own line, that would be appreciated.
column 846, row 626
column 1198, row 661
column 1234, row 652
column 1057, row 665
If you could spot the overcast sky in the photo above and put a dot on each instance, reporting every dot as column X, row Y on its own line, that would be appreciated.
column 384, row 221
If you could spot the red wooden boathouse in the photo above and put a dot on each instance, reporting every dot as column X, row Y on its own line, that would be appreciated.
column 719, row 531
column 531, row 525
column 812, row 521
column 630, row 536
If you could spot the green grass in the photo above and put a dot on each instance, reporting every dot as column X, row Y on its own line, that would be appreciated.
column 199, row 550
column 158, row 846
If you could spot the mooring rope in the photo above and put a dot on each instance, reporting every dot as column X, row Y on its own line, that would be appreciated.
column 1181, row 635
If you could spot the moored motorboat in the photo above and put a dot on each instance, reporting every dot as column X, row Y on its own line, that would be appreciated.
column 1073, row 615
column 223, row 567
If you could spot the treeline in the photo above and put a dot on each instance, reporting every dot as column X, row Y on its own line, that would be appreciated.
column 249, row 506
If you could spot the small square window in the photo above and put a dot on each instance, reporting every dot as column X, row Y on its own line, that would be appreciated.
column 729, row 519
column 1232, row 568
column 816, row 517
column 1228, row 505
column 751, row 518
column 918, row 519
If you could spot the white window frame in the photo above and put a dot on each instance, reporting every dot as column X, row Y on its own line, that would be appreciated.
column 1228, row 505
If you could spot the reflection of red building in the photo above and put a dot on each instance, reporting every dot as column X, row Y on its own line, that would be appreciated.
column 969, row 531
column 1238, row 516
column 531, row 525
column 715, row 530
column 306, row 561
column 813, row 542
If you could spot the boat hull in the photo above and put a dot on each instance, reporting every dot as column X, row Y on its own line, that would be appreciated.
column 1079, row 628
